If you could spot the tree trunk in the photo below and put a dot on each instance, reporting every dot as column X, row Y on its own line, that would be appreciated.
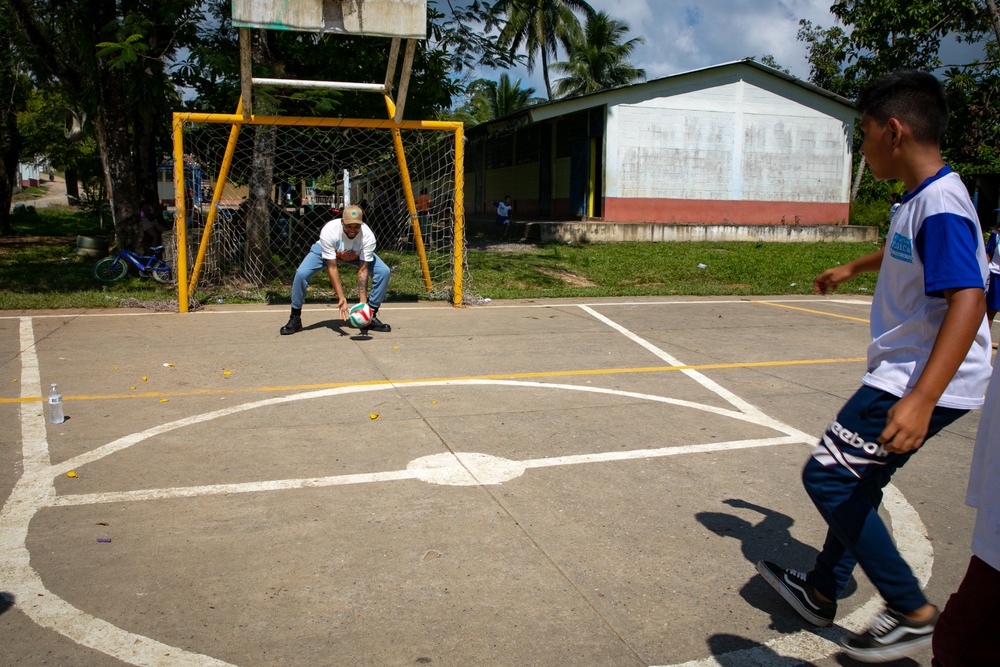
column 857, row 179
column 9, row 173
column 72, row 186
column 545, row 64
column 111, row 130
column 258, row 267
column 994, row 18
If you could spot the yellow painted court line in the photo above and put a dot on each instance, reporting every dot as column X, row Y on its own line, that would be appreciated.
column 500, row 376
column 814, row 312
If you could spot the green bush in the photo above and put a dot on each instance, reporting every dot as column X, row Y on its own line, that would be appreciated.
column 868, row 213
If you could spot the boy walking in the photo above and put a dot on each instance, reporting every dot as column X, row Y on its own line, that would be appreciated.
column 928, row 364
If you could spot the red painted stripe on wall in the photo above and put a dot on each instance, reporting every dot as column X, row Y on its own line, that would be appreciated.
column 706, row 211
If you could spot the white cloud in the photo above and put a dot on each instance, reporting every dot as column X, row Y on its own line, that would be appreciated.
column 701, row 33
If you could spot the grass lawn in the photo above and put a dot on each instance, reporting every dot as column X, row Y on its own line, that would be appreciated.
column 39, row 268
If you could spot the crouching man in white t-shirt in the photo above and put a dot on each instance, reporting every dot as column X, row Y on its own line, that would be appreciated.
column 345, row 240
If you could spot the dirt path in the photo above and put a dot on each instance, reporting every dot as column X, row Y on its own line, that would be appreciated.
column 55, row 194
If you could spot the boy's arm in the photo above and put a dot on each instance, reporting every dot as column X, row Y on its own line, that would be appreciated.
column 908, row 420
column 829, row 279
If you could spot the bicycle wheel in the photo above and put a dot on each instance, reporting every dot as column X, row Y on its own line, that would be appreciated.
column 162, row 273
column 111, row 270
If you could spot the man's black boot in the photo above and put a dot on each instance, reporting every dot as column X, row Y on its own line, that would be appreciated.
column 294, row 323
column 376, row 324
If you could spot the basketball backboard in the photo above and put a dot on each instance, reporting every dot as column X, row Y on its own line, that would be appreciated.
column 383, row 18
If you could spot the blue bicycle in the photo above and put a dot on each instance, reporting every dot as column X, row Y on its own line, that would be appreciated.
column 113, row 269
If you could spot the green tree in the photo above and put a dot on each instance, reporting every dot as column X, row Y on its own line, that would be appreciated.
column 600, row 59
column 826, row 53
column 880, row 36
column 772, row 62
column 14, row 84
column 506, row 97
column 107, row 59
column 540, row 26
column 42, row 126
column 973, row 140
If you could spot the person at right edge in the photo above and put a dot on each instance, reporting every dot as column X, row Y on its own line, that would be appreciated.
column 928, row 364
column 964, row 635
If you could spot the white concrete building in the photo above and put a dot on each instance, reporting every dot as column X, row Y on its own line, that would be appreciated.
column 738, row 143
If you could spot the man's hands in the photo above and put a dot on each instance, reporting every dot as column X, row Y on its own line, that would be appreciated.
column 342, row 307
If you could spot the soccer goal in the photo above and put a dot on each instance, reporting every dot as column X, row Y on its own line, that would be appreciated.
column 257, row 191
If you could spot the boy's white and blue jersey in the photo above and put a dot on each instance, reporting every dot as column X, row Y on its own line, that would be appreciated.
column 934, row 244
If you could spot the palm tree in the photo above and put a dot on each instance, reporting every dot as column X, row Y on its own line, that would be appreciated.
column 505, row 97
column 600, row 60
column 540, row 25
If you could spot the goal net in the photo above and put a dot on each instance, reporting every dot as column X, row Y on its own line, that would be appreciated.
column 257, row 191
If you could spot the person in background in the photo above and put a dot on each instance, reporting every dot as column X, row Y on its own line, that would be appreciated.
column 993, row 286
column 895, row 201
column 151, row 219
column 504, row 209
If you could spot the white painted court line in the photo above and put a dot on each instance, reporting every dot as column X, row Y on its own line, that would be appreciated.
column 35, row 490
column 283, row 312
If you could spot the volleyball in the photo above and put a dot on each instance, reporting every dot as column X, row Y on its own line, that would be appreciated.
column 360, row 315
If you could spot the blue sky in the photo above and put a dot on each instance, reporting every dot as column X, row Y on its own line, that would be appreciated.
column 682, row 37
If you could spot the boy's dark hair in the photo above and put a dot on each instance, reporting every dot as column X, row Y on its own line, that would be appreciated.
column 916, row 98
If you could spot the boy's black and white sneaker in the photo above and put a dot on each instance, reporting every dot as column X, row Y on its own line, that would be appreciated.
column 792, row 586
column 376, row 325
column 891, row 636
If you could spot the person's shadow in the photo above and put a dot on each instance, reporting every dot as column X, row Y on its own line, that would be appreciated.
column 338, row 327
column 735, row 651
column 770, row 539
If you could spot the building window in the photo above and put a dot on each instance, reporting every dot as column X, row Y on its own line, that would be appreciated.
column 527, row 145
column 500, row 152
column 568, row 129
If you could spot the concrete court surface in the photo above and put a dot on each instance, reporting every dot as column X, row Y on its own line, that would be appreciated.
column 520, row 483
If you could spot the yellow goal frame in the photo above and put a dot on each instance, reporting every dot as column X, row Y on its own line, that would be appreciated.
column 186, row 284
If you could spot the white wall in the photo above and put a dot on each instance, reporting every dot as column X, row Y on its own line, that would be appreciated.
column 733, row 135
